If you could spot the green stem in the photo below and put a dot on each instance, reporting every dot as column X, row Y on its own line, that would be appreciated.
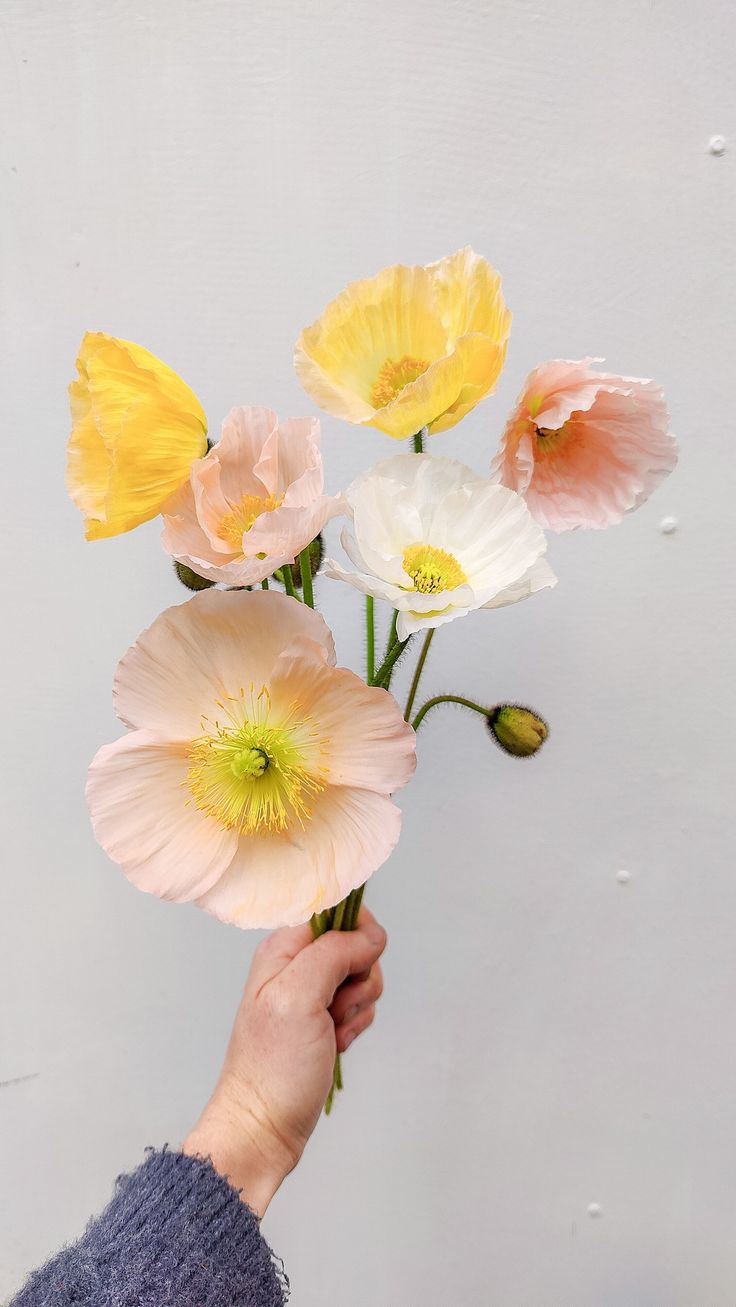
column 370, row 639
column 288, row 576
column 264, row 583
column 447, row 698
column 418, row 441
column 337, row 920
column 387, row 665
column 418, row 673
column 354, row 901
column 307, row 587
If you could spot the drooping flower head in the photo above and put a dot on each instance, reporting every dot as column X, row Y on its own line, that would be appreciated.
column 585, row 447
column 436, row 541
column 255, row 778
column 410, row 347
column 254, row 502
column 136, row 429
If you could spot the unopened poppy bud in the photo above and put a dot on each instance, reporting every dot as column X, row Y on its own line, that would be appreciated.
column 517, row 730
column 192, row 580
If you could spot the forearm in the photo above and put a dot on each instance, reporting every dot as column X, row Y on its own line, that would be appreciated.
column 175, row 1233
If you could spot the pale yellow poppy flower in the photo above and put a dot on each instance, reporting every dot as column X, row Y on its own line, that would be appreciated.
column 136, row 429
column 409, row 348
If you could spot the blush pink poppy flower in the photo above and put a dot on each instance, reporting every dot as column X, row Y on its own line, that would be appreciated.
column 585, row 447
column 256, row 775
column 253, row 502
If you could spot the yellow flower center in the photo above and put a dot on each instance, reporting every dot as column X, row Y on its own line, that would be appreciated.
column 254, row 777
column 240, row 519
column 432, row 570
column 393, row 376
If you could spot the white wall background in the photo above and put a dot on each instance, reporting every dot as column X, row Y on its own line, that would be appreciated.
column 203, row 177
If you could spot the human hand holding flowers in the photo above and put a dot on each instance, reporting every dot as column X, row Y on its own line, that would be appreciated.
column 304, row 1000
column 257, row 777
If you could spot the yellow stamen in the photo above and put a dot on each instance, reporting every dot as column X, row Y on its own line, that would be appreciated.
column 252, row 776
column 240, row 519
column 393, row 376
column 432, row 570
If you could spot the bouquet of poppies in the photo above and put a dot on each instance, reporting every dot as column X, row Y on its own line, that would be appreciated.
column 256, row 778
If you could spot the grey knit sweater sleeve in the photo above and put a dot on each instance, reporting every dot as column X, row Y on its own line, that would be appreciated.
column 174, row 1235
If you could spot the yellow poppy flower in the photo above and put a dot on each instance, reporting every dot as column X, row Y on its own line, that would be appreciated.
column 136, row 428
column 409, row 348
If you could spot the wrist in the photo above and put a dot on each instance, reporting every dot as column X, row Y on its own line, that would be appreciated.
column 242, row 1149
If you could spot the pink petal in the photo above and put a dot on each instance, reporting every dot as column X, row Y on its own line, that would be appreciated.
column 248, row 451
column 211, row 647
column 146, row 821
column 615, row 448
column 281, row 880
column 300, row 457
column 368, row 742
column 284, row 532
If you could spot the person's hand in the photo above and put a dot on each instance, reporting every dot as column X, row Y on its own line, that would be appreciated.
column 304, row 1001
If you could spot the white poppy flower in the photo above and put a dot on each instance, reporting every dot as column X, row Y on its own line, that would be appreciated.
column 436, row 541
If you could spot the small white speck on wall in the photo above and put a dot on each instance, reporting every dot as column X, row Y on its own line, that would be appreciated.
column 595, row 1210
column 717, row 145
column 668, row 526
column 623, row 877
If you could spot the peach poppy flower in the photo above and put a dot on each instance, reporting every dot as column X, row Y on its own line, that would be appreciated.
column 253, row 502
column 256, row 775
column 585, row 447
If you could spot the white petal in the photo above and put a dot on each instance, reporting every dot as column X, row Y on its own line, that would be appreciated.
column 539, row 577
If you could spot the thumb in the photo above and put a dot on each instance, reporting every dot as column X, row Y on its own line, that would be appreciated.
column 319, row 970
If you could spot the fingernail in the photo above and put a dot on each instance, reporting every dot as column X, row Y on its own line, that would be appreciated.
column 349, row 1039
column 351, row 1013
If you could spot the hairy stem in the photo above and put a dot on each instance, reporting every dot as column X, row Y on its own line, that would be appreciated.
column 288, row 576
column 307, row 587
column 447, row 698
column 418, row 672
column 370, row 639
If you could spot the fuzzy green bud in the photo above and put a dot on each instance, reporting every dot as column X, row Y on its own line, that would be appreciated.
column 316, row 554
column 191, row 579
column 517, row 730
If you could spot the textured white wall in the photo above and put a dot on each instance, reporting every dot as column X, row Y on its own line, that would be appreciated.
column 202, row 177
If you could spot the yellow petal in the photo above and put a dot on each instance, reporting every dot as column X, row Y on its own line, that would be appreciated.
column 419, row 404
column 482, row 361
column 469, row 296
column 137, row 427
column 385, row 318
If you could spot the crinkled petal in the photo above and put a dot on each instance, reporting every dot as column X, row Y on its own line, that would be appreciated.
column 585, row 447
column 211, row 648
column 146, row 821
column 368, row 742
column 280, row 880
column 539, row 577
column 386, row 317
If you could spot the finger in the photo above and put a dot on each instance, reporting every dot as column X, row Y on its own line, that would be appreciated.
column 366, row 918
column 276, row 951
column 317, row 971
column 357, row 994
column 344, row 1035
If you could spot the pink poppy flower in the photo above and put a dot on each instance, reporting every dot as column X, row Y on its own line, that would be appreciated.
column 253, row 502
column 585, row 447
column 256, row 775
